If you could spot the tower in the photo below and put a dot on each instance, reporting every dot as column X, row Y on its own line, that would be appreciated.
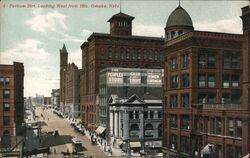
column 63, row 66
column 121, row 24
column 178, row 23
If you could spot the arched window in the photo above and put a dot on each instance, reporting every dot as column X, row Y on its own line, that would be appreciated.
column 156, row 55
column 139, row 54
column 149, row 130
column 110, row 51
column 160, row 130
column 116, row 53
column 128, row 53
column 150, row 56
column 134, row 131
column 122, row 53
column 144, row 54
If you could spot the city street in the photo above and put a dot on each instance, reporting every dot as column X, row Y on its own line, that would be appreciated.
column 63, row 143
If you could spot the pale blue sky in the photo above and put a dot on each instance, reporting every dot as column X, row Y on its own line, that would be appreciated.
column 34, row 36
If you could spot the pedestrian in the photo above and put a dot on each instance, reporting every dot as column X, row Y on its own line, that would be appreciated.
column 54, row 151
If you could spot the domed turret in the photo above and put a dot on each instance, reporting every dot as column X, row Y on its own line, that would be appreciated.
column 179, row 22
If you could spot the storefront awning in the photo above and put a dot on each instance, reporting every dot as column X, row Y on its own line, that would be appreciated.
column 135, row 144
column 207, row 149
column 119, row 141
column 100, row 130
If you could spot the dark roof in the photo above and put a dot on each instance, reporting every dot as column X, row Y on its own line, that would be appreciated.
column 121, row 16
column 63, row 50
column 179, row 17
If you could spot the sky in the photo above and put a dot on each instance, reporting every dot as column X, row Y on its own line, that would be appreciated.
column 33, row 32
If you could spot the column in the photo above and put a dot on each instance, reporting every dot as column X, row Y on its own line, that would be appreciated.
column 111, row 123
column 116, row 124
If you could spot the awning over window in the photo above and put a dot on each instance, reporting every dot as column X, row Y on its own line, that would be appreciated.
column 135, row 144
column 207, row 149
column 100, row 130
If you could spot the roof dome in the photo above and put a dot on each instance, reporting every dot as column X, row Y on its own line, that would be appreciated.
column 179, row 17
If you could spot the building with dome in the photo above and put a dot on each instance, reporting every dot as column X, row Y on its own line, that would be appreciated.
column 206, row 90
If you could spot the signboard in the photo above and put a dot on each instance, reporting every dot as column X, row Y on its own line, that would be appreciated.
column 135, row 77
column 114, row 77
column 154, row 78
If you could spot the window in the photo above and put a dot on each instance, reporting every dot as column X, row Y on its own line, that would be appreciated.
column 173, row 64
column 134, row 54
column 145, row 114
column 122, row 53
column 159, row 114
column 110, row 50
column 161, row 57
column 184, row 144
column 211, row 61
column 212, row 125
column 6, row 120
column 6, row 93
column 116, row 54
column 211, row 98
column 137, row 115
column 174, row 81
column 235, row 98
column 149, row 131
column 139, row 54
column 226, row 61
column 230, row 127
column 185, row 80
column 184, row 61
column 225, row 81
column 235, row 80
column 7, row 81
column 144, row 54
column 230, row 151
column 131, row 115
column 185, row 100
column 1, row 80
column 218, row 151
column 238, row 152
column 156, row 55
column 150, row 56
column 173, row 121
column 202, row 80
column 6, row 106
column 218, row 125
column 173, row 101
column 180, row 32
column 211, row 81
column 151, row 114
column 202, row 60
column 173, row 141
column 102, row 53
column 134, row 131
column 202, row 98
column 238, row 128
column 128, row 54
column 185, row 122
column 235, row 62
column 160, row 130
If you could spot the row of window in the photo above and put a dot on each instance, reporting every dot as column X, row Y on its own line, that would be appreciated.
column 231, row 152
column 234, row 127
column 148, row 131
column 146, row 115
column 4, row 81
column 132, row 54
column 208, row 80
column 184, row 62
column 203, row 98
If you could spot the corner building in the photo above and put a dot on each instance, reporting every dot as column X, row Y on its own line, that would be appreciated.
column 206, row 98
column 11, row 99
column 119, row 48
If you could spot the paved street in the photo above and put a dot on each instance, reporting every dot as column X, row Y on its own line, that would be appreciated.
column 62, row 143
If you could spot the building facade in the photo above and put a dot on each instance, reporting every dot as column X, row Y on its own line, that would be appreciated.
column 11, row 99
column 136, row 123
column 55, row 98
column 205, row 113
column 72, row 87
column 119, row 48
column 63, row 67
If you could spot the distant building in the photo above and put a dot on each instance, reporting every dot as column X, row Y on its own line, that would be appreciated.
column 72, row 87
column 125, row 82
column 47, row 101
column 119, row 48
column 55, row 98
column 136, row 123
column 69, row 86
column 12, row 99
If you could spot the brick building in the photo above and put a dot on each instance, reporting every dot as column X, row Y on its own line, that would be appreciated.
column 11, row 99
column 206, row 112
column 69, row 86
column 119, row 48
